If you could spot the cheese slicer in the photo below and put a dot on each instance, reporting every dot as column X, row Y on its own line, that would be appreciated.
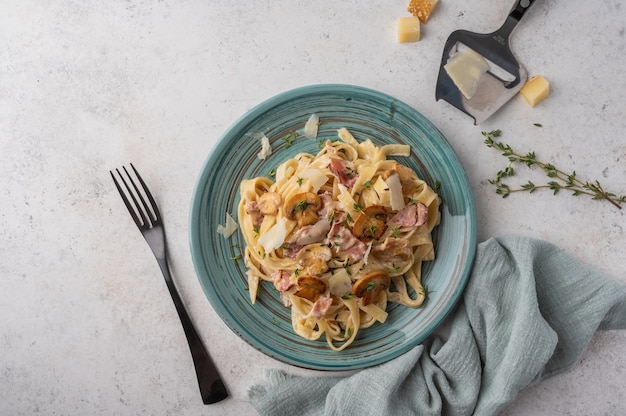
column 478, row 73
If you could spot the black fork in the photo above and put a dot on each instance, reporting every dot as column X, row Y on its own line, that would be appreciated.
column 148, row 219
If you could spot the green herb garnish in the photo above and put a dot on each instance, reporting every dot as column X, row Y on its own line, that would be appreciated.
column 235, row 258
column 560, row 180
column 288, row 139
column 301, row 206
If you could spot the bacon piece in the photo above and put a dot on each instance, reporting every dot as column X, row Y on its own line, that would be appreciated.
column 413, row 215
column 281, row 280
column 330, row 149
column 290, row 250
column 269, row 203
column 344, row 170
column 321, row 306
column 252, row 208
column 284, row 296
column 332, row 210
column 345, row 242
column 310, row 234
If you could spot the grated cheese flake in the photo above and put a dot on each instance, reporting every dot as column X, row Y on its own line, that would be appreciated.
column 310, row 128
column 266, row 148
column 275, row 236
column 316, row 177
column 340, row 283
column 229, row 228
column 395, row 192
column 367, row 253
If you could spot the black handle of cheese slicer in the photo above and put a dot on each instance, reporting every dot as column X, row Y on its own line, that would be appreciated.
column 515, row 15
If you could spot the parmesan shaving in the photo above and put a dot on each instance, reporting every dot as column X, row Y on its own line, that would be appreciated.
column 340, row 283
column 253, row 285
column 367, row 252
column 348, row 203
column 310, row 128
column 229, row 228
column 275, row 236
column 465, row 69
column 382, row 190
column 266, row 148
column 395, row 191
column 316, row 177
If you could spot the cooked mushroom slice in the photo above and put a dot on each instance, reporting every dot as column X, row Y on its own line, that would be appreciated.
column 303, row 208
column 370, row 286
column 269, row 203
column 314, row 258
column 310, row 287
column 392, row 250
column 371, row 223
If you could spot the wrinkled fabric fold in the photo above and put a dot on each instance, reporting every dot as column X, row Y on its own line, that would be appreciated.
column 528, row 312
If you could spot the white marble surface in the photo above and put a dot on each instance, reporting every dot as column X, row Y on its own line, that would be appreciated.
column 87, row 326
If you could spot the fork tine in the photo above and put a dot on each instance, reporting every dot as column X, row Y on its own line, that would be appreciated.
column 155, row 209
column 145, row 213
column 129, row 205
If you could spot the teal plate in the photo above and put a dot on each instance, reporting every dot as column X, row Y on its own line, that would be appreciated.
column 266, row 325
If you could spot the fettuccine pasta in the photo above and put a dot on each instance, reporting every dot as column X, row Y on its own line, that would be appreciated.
column 339, row 234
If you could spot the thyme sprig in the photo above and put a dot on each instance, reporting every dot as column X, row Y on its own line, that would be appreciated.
column 560, row 180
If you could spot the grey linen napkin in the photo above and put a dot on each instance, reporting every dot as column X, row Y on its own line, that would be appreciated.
column 528, row 313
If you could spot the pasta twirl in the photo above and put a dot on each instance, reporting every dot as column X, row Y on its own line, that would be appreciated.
column 339, row 234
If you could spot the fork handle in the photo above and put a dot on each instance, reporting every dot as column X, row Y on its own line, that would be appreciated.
column 212, row 388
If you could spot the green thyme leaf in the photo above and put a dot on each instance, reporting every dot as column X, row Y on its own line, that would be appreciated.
column 559, row 178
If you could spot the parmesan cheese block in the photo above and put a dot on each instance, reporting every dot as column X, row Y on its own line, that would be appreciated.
column 535, row 90
column 408, row 29
column 465, row 69
column 422, row 9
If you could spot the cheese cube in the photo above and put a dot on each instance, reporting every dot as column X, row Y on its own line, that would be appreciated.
column 422, row 8
column 408, row 29
column 535, row 90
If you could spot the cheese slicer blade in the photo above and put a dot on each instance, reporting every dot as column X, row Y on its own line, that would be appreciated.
column 492, row 88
